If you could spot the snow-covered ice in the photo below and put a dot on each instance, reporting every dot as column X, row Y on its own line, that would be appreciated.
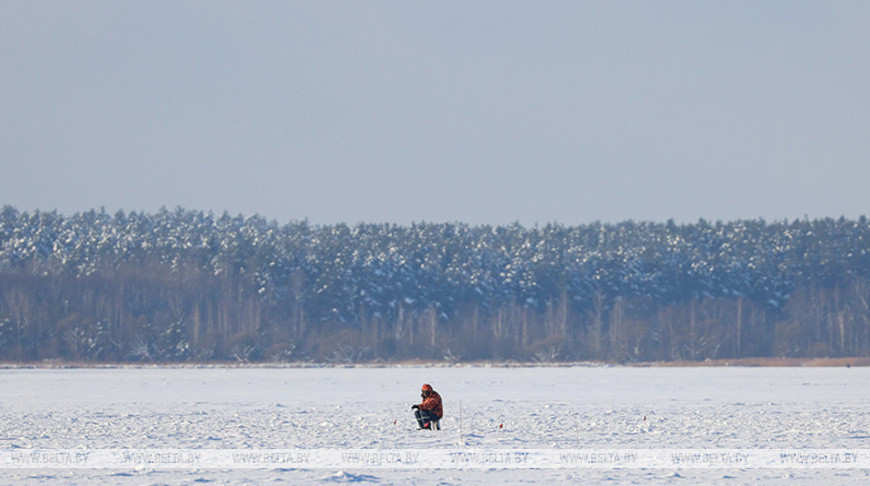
column 369, row 407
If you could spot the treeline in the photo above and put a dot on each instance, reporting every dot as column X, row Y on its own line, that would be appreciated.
column 191, row 286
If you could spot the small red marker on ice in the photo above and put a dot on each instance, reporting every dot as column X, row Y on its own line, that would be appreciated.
column 501, row 426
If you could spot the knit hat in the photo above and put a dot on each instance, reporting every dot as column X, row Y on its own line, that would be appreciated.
column 427, row 387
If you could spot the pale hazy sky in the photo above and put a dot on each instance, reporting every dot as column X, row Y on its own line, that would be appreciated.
column 482, row 112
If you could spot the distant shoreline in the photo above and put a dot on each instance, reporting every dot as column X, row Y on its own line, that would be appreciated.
column 739, row 362
column 767, row 362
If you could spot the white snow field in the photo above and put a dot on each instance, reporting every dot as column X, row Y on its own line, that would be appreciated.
column 512, row 408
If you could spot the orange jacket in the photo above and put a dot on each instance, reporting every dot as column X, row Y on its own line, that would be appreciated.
column 433, row 403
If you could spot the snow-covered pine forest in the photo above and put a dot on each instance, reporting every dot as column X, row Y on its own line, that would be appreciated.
column 181, row 285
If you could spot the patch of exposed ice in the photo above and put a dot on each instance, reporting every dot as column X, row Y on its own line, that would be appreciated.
column 346, row 477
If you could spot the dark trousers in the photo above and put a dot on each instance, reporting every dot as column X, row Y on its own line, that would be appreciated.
column 425, row 418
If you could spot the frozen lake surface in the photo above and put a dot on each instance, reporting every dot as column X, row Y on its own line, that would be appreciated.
column 502, row 408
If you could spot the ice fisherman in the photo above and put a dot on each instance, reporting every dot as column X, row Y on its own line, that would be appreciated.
column 429, row 411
